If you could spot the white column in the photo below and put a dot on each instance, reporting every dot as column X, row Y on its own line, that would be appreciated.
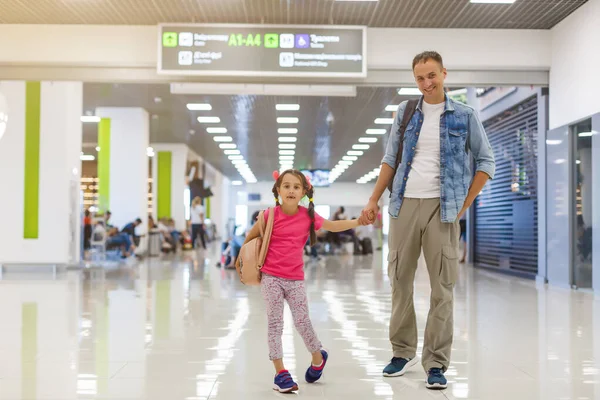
column 57, row 238
column 179, row 154
column 129, row 138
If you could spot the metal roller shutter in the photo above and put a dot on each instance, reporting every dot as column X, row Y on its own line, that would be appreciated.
column 506, row 210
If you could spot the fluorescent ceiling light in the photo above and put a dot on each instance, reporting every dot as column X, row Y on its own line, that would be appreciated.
column 355, row 153
column 392, row 107
column 350, row 158
column 90, row 118
column 209, row 120
column 287, row 146
column 287, row 131
column 199, row 107
column 360, row 181
column 457, row 92
column 384, row 121
column 286, row 157
column 251, row 180
column 231, row 152
column 409, row 92
column 287, row 120
column 367, row 140
column 289, row 139
column 236, row 183
column 87, row 157
column 286, row 152
column 237, row 162
column 223, row 139
column 360, row 147
column 344, row 162
column 227, row 146
column 236, row 157
column 553, row 142
column 586, row 134
column 236, row 89
column 493, row 1
column 358, row 0
column 287, row 107
column 376, row 131
column 216, row 130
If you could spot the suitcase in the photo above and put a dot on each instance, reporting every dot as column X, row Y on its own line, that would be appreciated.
column 367, row 246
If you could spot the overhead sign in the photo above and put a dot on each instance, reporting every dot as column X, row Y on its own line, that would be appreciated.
column 262, row 50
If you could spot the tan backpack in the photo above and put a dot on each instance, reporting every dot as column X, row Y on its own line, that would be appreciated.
column 252, row 254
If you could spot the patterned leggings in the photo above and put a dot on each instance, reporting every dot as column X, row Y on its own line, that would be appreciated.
column 274, row 291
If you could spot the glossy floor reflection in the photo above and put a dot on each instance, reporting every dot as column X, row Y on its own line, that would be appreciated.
column 185, row 330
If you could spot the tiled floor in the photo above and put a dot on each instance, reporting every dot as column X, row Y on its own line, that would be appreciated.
column 186, row 330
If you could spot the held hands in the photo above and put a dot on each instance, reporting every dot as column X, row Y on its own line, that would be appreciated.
column 369, row 213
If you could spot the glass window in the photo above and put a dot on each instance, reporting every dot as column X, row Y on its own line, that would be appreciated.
column 582, row 224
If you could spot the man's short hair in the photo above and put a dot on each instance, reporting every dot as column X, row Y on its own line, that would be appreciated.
column 426, row 56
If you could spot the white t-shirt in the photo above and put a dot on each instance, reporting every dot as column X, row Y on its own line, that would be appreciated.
column 424, row 177
column 196, row 211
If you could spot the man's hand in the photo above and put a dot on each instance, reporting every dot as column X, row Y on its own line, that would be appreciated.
column 369, row 213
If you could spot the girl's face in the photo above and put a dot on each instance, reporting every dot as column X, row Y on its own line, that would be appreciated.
column 291, row 190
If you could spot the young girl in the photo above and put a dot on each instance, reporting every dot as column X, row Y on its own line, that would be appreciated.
column 283, row 272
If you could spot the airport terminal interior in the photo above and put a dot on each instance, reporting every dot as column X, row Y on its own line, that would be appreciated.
column 140, row 139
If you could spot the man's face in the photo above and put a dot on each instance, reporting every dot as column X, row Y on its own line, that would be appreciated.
column 430, row 78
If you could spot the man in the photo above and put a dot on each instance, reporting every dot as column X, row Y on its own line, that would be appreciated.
column 430, row 193
column 129, row 229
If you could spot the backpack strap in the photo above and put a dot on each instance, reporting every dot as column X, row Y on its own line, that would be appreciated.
column 266, row 235
column 409, row 111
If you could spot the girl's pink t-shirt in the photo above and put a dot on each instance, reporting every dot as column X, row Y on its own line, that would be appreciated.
column 285, row 257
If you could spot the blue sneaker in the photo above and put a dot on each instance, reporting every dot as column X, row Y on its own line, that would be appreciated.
column 284, row 382
column 399, row 366
column 436, row 379
column 312, row 373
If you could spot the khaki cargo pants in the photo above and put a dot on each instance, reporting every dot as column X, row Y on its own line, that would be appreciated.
column 419, row 226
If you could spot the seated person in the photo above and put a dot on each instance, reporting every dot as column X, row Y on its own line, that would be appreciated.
column 114, row 239
column 129, row 229
column 168, row 242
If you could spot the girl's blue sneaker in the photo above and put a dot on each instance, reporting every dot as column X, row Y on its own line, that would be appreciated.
column 284, row 382
column 313, row 373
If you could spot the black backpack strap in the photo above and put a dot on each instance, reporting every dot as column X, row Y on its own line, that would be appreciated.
column 409, row 111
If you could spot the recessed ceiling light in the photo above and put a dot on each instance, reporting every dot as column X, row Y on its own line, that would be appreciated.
column 287, row 131
column 227, row 146
column 199, row 107
column 222, row 138
column 236, row 157
column 97, row 148
column 287, row 107
column 192, row 132
column 586, row 134
column 287, row 146
column 367, row 140
column 286, row 158
column 392, row 107
column 376, row 131
column 409, row 92
column 209, row 120
column 90, row 118
column 236, row 183
column 231, row 152
column 350, row 158
column 287, row 120
column 215, row 129
column 287, row 152
column 384, row 121
column 158, row 100
column 289, row 139
column 360, row 147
